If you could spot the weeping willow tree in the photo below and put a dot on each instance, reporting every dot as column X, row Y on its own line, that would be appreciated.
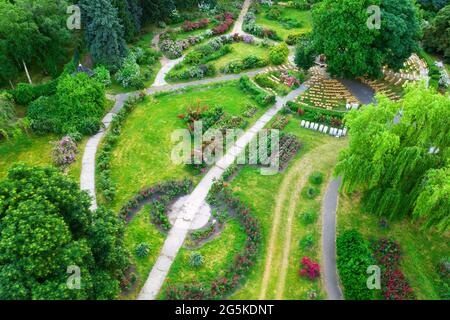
column 398, row 157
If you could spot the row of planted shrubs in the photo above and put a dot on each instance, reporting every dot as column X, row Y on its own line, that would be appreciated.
column 162, row 192
column 236, row 272
column 261, row 97
column 355, row 255
column 322, row 116
column 196, row 64
column 105, row 185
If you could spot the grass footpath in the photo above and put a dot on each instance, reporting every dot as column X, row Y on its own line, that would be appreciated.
column 269, row 196
column 421, row 250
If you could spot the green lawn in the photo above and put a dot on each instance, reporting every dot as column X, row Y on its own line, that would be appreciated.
column 421, row 250
column 303, row 16
column 143, row 154
column 217, row 255
column 36, row 151
column 239, row 51
column 141, row 230
column 261, row 194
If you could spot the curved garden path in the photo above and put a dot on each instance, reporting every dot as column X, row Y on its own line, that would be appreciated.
column 287, row 201
column 329, row 207
column 167, row 64
column 178, row 233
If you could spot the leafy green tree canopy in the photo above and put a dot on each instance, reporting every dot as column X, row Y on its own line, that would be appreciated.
column 342, row 33
column 398, row 156
column 45, row 228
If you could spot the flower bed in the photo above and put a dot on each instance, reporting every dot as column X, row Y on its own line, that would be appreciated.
column 163, row 192
column 251, row 27
column 281, row 122
column 394, row 285
column 228, row 21
column 321, row 116
column 236, row 272
column 105, row 185
column 190, row 26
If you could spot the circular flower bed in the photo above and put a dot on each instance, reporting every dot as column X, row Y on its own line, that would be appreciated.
column 236, row 272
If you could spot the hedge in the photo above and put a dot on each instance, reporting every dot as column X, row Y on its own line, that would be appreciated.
column 261, row 97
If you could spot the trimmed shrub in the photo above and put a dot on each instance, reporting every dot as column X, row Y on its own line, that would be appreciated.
column 278, row 54
column 309, row 217
column 353, row 259
column 316, row 178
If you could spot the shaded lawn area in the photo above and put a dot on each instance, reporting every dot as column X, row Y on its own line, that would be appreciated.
column 421, row 250
column 36, row 151
column 143, row 154
column 141, row 230
column 302, row 16
column 217, row 255
column 260, row 193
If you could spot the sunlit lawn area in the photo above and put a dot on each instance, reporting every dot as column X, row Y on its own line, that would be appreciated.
column 217, row 255
column 261, row 192
column 141, row 230
column 304, row 17
column 143, row 154
column 421, row 249
column 239, row 51
column 36, row 151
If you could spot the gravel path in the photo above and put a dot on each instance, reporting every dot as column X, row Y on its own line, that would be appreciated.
column 240, row 21
column 329, row 208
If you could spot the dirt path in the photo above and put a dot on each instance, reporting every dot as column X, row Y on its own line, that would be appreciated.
column 298, row 175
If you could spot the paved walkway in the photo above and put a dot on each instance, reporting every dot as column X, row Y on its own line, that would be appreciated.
column 362, row 92
column 87, row 178
column 240, row 21
column 182, row 225
column 329, row 209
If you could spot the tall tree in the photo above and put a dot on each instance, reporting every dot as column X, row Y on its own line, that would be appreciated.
column 342, row 33
column 437, row 36
column 46, row 229
column 104, row 33
column 157, row 10
column 126, row 19
column 32, row 32
column 399, row 154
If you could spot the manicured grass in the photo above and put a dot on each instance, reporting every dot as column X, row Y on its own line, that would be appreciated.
column 302, row 16
column 239, row 51
column 26, row 149
column 141, row 230
column 36, row 151
column 261, row 193
column 143, row 154
column 217, row 255
column 421, row 250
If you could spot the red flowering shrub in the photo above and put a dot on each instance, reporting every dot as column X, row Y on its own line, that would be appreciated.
column 227, row 19
column 236, row 271
column 393, row 282
column 190, row 26
column 310, row 269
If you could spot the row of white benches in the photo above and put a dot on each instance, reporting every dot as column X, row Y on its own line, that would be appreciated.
column 324, row 129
